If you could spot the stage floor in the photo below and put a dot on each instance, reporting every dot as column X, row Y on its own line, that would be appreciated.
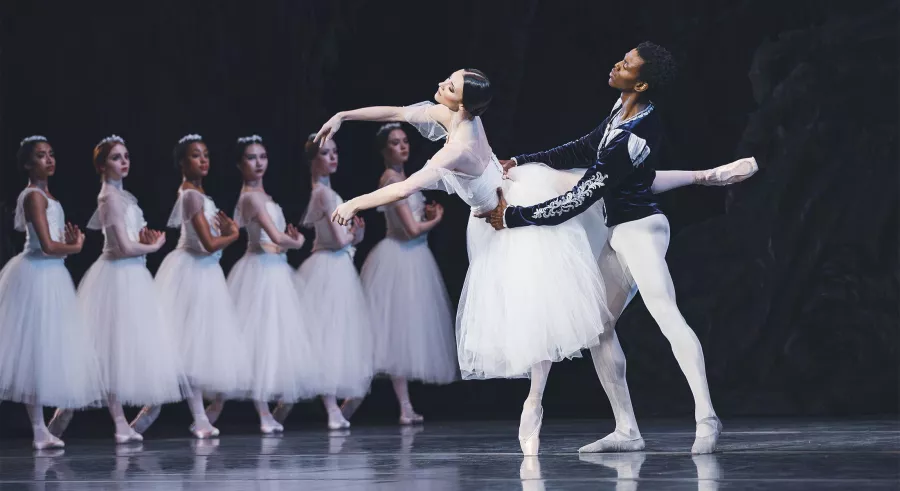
column 754, row 454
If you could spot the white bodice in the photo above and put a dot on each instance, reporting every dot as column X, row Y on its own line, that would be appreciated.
column 395, row 230
column 183, row 214
column 479, row 192
column 56, row 220
column 256, row 236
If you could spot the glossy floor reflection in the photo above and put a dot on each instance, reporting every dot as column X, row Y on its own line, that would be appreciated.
column 763, row 455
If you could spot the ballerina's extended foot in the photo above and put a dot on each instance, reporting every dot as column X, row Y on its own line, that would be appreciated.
column 728, row 174
column 614, row 442
column 530, row 427
column 336, row 421
column 706, row 441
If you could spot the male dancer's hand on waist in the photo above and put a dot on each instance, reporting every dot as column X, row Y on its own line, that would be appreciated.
column 495, row 217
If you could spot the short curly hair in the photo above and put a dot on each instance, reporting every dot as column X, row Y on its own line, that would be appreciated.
column 659, row 68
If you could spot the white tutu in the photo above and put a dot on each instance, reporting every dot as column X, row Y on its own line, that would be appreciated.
column 275, row 329
column 192, row 290
column 531, row 293
column 339, row 321
column 411, row 311
column 131, row 332
column 46, row 357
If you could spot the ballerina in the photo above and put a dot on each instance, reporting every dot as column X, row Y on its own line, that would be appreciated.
column 46, row 358
column 406, row 293
column 283, row 363
column 504, row 325
column 192, row 289
column 138, row 354
column 331, row 290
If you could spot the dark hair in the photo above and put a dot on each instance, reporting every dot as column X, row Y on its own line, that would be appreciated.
column 26, row 150
column 101, row 153
column 477, row 92
column 659, row 68
column 310, row 149
column 381, row 136
column 181, row 149
column 241, row 147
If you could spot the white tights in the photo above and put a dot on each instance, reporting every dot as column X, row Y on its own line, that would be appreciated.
column 642, row 244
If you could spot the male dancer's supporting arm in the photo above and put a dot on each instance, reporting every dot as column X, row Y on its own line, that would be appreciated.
column 607, row 169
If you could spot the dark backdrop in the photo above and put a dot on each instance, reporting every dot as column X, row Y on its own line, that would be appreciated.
column 790, row 280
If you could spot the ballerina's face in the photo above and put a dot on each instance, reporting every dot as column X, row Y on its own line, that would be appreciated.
column 42, row 163
column 117, row 163
column 254, row 162
column 325, row 162
column 396, row 149
column 450, row 91
column 196, row 162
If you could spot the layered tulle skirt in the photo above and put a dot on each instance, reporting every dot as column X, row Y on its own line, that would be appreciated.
column 532, row 293
column 46, row 354
column 411, row 312
column 339, row 321
column 275, row 329
column 132, row 334
column 204, row 322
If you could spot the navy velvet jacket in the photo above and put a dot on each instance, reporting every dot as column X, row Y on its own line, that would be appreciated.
column 621, row 169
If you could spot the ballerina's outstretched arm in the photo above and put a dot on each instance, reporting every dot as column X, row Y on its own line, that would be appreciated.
column 427, row 113
column 445, row 160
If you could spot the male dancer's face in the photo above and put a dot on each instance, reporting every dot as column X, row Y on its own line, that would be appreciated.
column 626, row 74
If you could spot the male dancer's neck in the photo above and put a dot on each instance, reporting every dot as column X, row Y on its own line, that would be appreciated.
column 632, row 103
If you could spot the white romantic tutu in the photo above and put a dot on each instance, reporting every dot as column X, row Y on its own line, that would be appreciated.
column 193, row 291
column 275, row 329
column 46, row 357
column 620, row 286
column 131, row 332
column 411, row 311
column 531, row 293
column 339, row 321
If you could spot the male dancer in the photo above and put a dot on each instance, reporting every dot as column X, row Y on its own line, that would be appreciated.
column 619, row 156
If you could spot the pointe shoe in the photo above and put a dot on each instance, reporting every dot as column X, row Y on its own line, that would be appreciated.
column 733, row 173
column 613, row 445
column 270, row 428
column 133, row 436
column 51, row 442
column 60, row 421
column 531, row 443
column 408, row 416
column 213, row 432
column 281, row 411
column 338, row 423
column 707, row 444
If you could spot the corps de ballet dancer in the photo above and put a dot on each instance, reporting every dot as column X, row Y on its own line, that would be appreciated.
column 284, row 365
column 193, row 291
column 139, row 357
column 46, row 356
column 414, row 339
column 329, row 286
